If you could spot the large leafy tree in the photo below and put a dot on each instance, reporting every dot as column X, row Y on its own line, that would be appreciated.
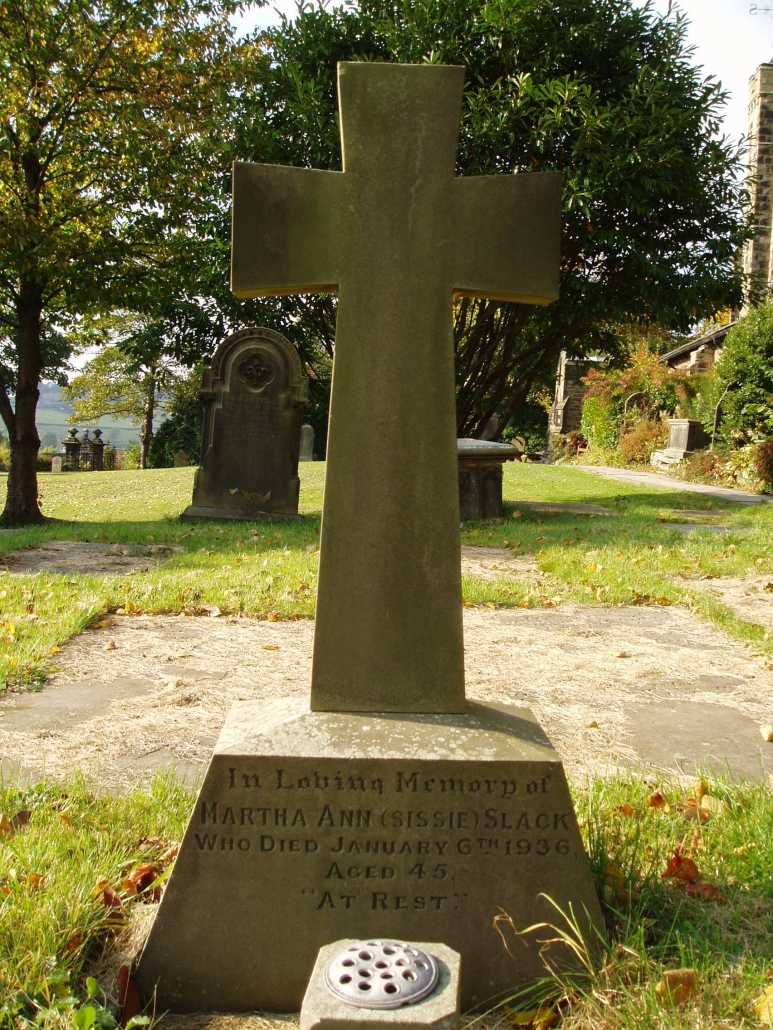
column 605, row 91
column 111, row 118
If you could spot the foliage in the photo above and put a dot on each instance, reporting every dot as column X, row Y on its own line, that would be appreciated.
column 645, row 384
column 115, row 118
column 607, row 93
column 59, row 844
column 181, row 429
column 746, row 367
column 637, row 443
column 131, row 457
column 763, row 464
column 600, row 423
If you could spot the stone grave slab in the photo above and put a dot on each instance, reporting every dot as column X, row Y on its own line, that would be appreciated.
column 407, row 826
column 254, row 396
column 307, row 443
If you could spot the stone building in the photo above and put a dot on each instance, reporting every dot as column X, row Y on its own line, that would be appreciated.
column 566, row 410
column 698, row 357
column 757, row 254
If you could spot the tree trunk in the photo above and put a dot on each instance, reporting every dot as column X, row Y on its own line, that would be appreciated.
column 21, row 504
column 146, row 430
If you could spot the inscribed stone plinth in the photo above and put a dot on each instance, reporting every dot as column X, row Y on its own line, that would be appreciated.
column 321, row 1010
column 314, row 826
column 254, row 396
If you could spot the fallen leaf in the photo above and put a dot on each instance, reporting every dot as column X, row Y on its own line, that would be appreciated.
column 763, row 1006
column 34, row 881
column 211, row 610
column 624, row 654
column 235, row 490
column 663, row 601
column 768, row 587
column 274, row 618
column 5, row 825
column 714, row 805
column 703, row 890
column 269, row 647
column 592, row 725
column 21, row 819
column 140, row 879
column 658, row 802
column 590, row 567
column 676, row 986
column 74, row 941
column 128, row 997
column 766, row 733
column 540, row 1019
column 613, row 877
column 627, row 811
column 467, row 604
column 681, row 868
column 110, row 645
column 65, row 818
column 694, row 812
column 517, row 515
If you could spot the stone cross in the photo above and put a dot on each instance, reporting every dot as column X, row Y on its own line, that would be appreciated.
column 396, row 235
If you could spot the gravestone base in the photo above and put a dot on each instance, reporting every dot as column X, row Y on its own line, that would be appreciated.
column 195, row 511
column 315, row 826
column 321, row 1010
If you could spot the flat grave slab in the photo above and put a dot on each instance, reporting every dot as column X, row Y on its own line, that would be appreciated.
column 563, row 663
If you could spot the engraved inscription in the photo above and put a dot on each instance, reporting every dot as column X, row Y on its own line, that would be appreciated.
column 399, row 840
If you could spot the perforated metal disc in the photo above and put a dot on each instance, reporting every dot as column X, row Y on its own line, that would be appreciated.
column 382, row 974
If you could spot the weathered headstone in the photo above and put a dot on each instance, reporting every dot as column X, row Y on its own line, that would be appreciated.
column 180, row 459
column 56, row 463
column 254, row 396
column 344, row 820
column 307, row 443
column 685, row 435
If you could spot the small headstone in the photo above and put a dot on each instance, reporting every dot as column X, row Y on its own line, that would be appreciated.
column 254, row 396
column 307, row 443
column 180, row 460
column 685, row 435
column 56, row 463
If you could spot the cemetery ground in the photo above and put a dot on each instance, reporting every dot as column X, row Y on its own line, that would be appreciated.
column 552, row 595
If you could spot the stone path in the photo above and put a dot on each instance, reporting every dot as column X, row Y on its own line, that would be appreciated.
column 665, row 690
column 663, row 482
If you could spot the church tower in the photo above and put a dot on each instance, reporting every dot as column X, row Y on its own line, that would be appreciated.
column 757, row 260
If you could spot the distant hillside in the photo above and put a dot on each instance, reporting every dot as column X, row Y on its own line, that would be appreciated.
column 53, row 425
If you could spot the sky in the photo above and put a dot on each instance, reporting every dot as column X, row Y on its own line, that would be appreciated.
column 730, row 37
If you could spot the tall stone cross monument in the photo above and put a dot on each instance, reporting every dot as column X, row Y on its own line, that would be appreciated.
column 391, row 806
column 396, row 235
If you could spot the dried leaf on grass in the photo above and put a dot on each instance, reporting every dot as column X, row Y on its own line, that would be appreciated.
column 128, row 998
column 658, row 802
column 676, row 986
column 764, row 1007
column 540, row 1019
column 684, row 870
column 627, row 811
column 17, row 822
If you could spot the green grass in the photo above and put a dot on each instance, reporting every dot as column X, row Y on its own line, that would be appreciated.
column 55, row 928
column 269, row 569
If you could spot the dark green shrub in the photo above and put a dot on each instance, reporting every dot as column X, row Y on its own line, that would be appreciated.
column 746, row 367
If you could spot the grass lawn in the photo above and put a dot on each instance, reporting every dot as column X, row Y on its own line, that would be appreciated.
column 76, row 869
column 268, row 569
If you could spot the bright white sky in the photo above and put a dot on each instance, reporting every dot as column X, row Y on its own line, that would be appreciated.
column 729, row 40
